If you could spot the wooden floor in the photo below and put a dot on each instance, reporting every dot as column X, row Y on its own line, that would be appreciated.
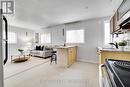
column 78, row 75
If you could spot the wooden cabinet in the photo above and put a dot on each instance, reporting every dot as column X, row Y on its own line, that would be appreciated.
column 113, row 23
column 118, row 55
column 116, row 26
column 66, row 55
column 71, row 55
column 111, row 26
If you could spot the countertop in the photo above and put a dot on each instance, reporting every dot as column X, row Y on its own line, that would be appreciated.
column 113, row 49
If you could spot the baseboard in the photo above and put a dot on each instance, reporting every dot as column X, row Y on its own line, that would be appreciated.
column 89, row 61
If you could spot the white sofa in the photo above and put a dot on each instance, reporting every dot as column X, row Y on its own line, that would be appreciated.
column 42, row 54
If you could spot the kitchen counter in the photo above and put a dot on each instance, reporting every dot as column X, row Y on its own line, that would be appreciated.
column 66, row 55
column 116, row 54
column 113, row 49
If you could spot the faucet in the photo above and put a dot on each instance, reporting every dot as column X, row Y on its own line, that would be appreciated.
column 115, row 44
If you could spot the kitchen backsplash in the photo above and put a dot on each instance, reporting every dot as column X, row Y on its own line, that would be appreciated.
column 120, row 37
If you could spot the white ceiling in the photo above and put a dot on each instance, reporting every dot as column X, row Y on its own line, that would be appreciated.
column 43, row 13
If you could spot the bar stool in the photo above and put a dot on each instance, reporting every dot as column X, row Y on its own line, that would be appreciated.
column 54, row 57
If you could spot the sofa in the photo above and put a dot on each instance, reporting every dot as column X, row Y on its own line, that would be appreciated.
column 42, row 52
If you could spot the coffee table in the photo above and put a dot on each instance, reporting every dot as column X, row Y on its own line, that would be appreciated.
column 19, row 58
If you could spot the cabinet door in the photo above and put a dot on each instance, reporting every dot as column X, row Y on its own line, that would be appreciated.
column 69, row 56
column 100, row 57
column 73, row 54
column 115, row 25
column 111, row 26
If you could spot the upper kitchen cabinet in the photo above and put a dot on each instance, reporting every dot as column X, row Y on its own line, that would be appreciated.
column 121, row 19
column 113, row 23
column 116, row 26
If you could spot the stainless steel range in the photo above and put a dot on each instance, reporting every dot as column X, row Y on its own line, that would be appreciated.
column 115, row 73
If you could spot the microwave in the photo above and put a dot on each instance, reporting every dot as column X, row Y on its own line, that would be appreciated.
column 124, row 15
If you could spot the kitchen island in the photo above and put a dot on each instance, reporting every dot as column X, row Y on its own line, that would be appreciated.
column 66, row 55
column 116, row 54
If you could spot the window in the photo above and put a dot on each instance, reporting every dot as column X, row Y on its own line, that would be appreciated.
column 46, row 38
column 75, row 36
column 12, row 38
column 107, row 32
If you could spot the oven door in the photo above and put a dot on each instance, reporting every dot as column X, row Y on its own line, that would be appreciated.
column 104, row 80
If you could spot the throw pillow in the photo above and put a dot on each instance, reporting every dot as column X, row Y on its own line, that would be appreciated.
column 38, row 47
column 42, row 47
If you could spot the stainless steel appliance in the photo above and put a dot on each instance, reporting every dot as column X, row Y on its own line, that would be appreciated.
column 3, row 45
column 4, row 37
column 1, row 59
column 115, row 73
column 124, row 15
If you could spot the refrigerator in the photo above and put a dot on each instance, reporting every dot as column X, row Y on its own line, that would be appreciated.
column 3, row 45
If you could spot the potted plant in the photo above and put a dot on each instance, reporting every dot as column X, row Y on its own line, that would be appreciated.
column 122, row 44
column 21, row 51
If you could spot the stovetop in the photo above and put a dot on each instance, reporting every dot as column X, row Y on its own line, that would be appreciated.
column 119, row 72
column 122, row 64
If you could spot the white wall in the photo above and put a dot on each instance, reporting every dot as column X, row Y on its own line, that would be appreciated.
column 94, row 37
column 56, row 34
column 21, row 39
column 94, row 33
